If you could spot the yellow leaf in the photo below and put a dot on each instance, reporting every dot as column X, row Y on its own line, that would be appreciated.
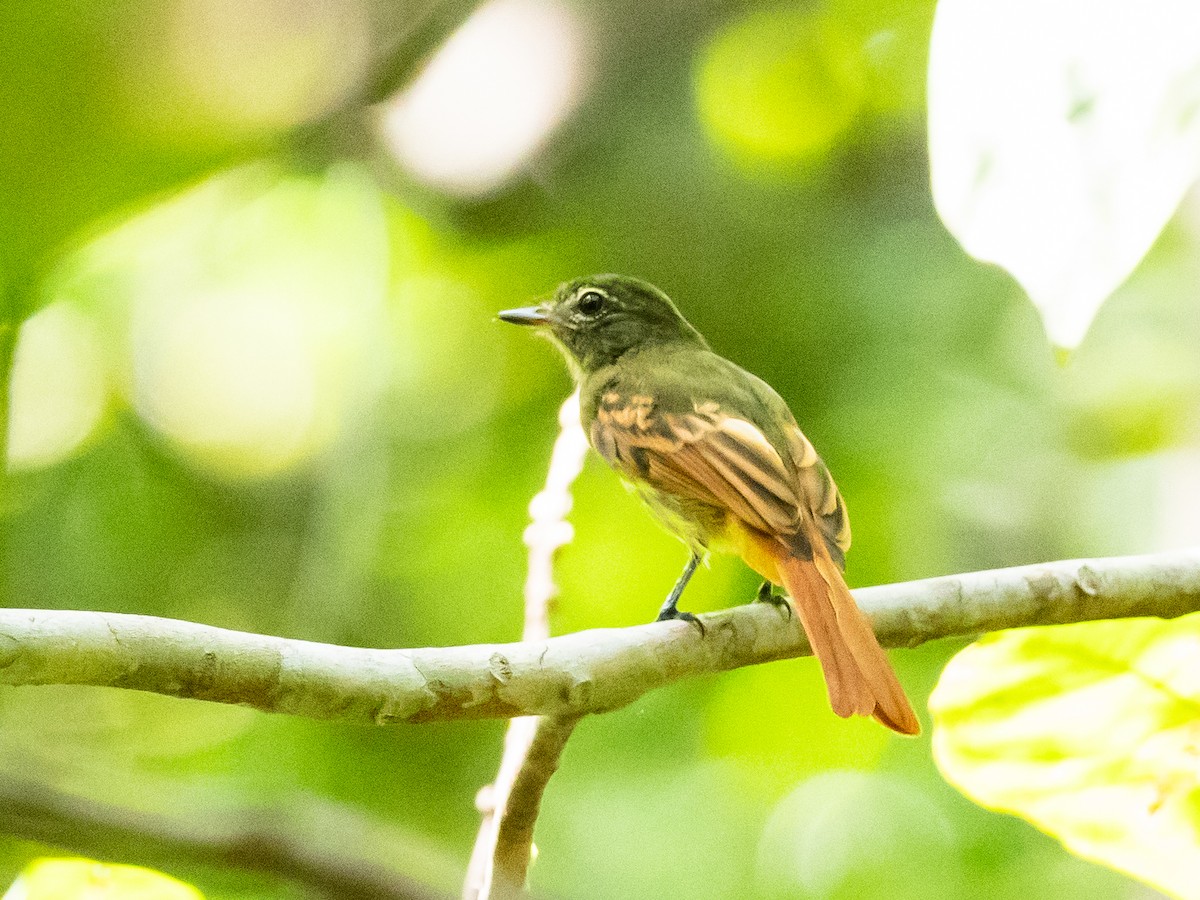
column 84, row 879
column 1091, row 732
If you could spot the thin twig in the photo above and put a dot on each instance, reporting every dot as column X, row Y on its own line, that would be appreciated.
column 513, row 852
column 549, row 530
column 570, row 675
column 532, row 744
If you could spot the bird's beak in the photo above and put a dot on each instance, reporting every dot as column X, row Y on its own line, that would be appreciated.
column 526, row 315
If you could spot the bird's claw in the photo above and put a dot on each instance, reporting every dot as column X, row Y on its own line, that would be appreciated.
column 766, row 594
column 668, row 614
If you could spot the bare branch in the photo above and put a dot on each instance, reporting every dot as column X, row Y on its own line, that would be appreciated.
column 514, row 839
column 549, row 530
column 586, row 672
column 257, row 841
column 532, row 745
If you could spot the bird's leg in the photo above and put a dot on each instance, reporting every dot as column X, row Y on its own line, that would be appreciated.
column 669, row 610
column 766, row 594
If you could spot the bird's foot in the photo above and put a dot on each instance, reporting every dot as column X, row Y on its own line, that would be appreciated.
column 667, row 615
column 766, row 594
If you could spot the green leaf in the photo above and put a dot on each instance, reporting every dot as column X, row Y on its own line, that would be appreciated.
column 1091, row 732
column 84, row 879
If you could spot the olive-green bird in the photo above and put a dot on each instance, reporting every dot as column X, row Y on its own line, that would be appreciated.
column 719, row 459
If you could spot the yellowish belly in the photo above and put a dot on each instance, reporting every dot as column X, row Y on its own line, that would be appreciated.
column 703, row 527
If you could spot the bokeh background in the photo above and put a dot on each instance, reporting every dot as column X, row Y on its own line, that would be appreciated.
column 260, row 245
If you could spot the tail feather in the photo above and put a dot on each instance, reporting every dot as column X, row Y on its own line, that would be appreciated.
column 858, row 674
column 849, row 694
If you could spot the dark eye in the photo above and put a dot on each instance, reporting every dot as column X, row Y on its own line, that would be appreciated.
column 591, row 302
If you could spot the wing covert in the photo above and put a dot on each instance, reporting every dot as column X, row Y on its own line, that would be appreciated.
column 821, row 493
column 701, row 453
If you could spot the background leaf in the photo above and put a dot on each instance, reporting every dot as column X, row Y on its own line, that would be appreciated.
column 83, row 879
column 1062, row 138
column 1091, row 732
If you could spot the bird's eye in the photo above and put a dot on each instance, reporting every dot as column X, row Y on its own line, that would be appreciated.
column 591, row 302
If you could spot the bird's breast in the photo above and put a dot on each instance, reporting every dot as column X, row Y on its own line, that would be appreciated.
column 704, row 527
column 700, row 525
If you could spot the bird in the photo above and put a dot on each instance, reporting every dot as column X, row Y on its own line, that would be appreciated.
column 718, row 458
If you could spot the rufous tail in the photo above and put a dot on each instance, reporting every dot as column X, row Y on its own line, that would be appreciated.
column 857, row 672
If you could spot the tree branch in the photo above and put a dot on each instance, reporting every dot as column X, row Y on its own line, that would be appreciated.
column 532, row 745
column 513, row 851
column 257, row 841
column 586, row 672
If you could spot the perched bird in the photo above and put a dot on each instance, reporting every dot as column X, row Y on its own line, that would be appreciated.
column 717, row 456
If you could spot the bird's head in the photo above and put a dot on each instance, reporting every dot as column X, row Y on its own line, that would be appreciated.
column 598, row 319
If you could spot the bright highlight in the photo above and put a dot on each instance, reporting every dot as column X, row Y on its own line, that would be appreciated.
column 59, row 387
column 490, row 97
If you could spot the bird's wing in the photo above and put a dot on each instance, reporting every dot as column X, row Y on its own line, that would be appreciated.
column 821, row 494
column 703, row 453
column 717, row 457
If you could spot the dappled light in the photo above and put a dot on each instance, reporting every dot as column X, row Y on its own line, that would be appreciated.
column 781, row 86
column 60, row 386
column 201, row 70
column 232, row 379
column 252, row 365
column 490, row 97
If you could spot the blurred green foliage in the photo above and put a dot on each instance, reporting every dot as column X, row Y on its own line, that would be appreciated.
column 298, row 417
